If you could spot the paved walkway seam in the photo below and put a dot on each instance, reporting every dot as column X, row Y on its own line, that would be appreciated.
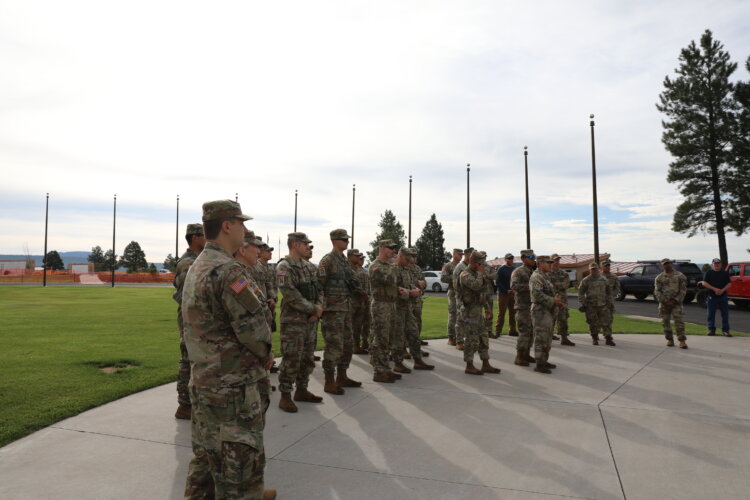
column 118, row 436
column 664, row 349
column 609, row 444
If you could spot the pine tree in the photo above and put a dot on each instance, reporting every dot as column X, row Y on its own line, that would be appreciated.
column 109, row 259
column 133, row 258
column 390, row 229
column 431, row 252
column 53, row 261
column 170, row 263
column 97, row 258
column 700, row 131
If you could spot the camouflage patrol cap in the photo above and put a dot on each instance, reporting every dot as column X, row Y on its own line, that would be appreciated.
column 413, row 251
column 508, row 255
column 554, row 256
column 593, row 265
column 301, row 237
column 458, row 250
column 223, row 209
column 251, row 239
column 468, row 250
column 607, row 263
column 340, row 234
column 388, row 244
column 404, row 251
column 194, row 229
column 666, row 260
column 544, row 258
column 353, row 251
column 478, row 257
column 528, row 253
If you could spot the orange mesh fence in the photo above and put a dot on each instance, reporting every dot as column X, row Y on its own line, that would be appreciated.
column 67, row 277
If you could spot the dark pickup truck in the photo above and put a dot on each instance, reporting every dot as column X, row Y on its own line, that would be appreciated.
column 640, row 280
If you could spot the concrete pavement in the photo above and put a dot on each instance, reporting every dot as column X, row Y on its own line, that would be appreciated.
column 636, row 421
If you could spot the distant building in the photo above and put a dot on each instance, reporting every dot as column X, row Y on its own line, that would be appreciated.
column 577, row 262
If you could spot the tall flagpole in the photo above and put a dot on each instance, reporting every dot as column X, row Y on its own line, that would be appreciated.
column 44, row 259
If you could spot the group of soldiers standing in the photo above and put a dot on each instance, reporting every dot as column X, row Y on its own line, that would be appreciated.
column 227, row 292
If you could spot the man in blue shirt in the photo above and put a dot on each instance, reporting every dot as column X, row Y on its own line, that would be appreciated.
column 505, row 300
column 716, row 281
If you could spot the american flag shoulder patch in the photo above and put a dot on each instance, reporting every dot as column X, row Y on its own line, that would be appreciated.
column 239, row 284
column 281, row 272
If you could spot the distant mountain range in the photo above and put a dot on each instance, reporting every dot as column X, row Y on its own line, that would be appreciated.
column 67, row 257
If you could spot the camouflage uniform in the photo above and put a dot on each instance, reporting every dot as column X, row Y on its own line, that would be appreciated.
column 259, row 273
column 519, row 283
column 405, row 333
column 489, row 297
column 335, row 276
column 417, row 302
column 446, row 276
column 183, row 373
column 473, row 292
column 228, row 340
column 542, row 313
column 614, row 289
column 460, row 322
column 594, row 296
column 667, row 287
column 383, row 310
column 361, row 309
column 561, row 282
column 299, row 287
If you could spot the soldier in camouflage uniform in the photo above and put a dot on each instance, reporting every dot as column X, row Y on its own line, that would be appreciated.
column 614, row 289
column 519, row 286
column 543, row 304
column 670, row 288
column 229, row 345
column 489, row 300
column 266, row 282
column 473, row 292
column 561, row 281
column 301, row 307
column 593, row 295
column 446, row 276
column 460, row 322
column 314, row 326
column 196, row 241
column 338, row 287
column 272, row 291
column 405, row 334
column 360, row 304
column 385, row 292
column 421, row 283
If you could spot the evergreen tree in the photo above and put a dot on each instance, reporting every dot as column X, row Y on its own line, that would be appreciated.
column 152, row 268
column 97, row 258
column 53, row 261
column 431, row 252
column 170, row 263
column 390, row 229
column 109, row 258
column 133, row 258
column 700, row 131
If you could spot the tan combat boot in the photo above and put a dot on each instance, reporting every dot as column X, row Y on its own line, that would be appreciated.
column 343, row 381
column 406, row 354
column 451, row 341
column 566, row 341
column 330, row 386
column 183, row 412
column 286, row 403
column 610, row 341
column 401, row 368
column 383, row 377
column 421, row 365
column 541, row 367
column 488, row 368
column 683, row 345
column 472, row 370
column 595, row 340
column 529, row 357
column 269, row 494
column 460, row 346
column 520, row 358
column 670, row 343
column 305, row 396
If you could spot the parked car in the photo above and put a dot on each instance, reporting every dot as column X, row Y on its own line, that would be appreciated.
column 739, row 288
column 640, row 281
column 433, row 282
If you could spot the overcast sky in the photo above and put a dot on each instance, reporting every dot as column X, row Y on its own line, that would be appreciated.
column 207, row 99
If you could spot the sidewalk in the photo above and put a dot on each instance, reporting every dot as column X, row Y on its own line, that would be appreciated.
column 636, row 421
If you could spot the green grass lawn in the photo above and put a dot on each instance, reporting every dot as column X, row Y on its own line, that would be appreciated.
column 55, row 339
